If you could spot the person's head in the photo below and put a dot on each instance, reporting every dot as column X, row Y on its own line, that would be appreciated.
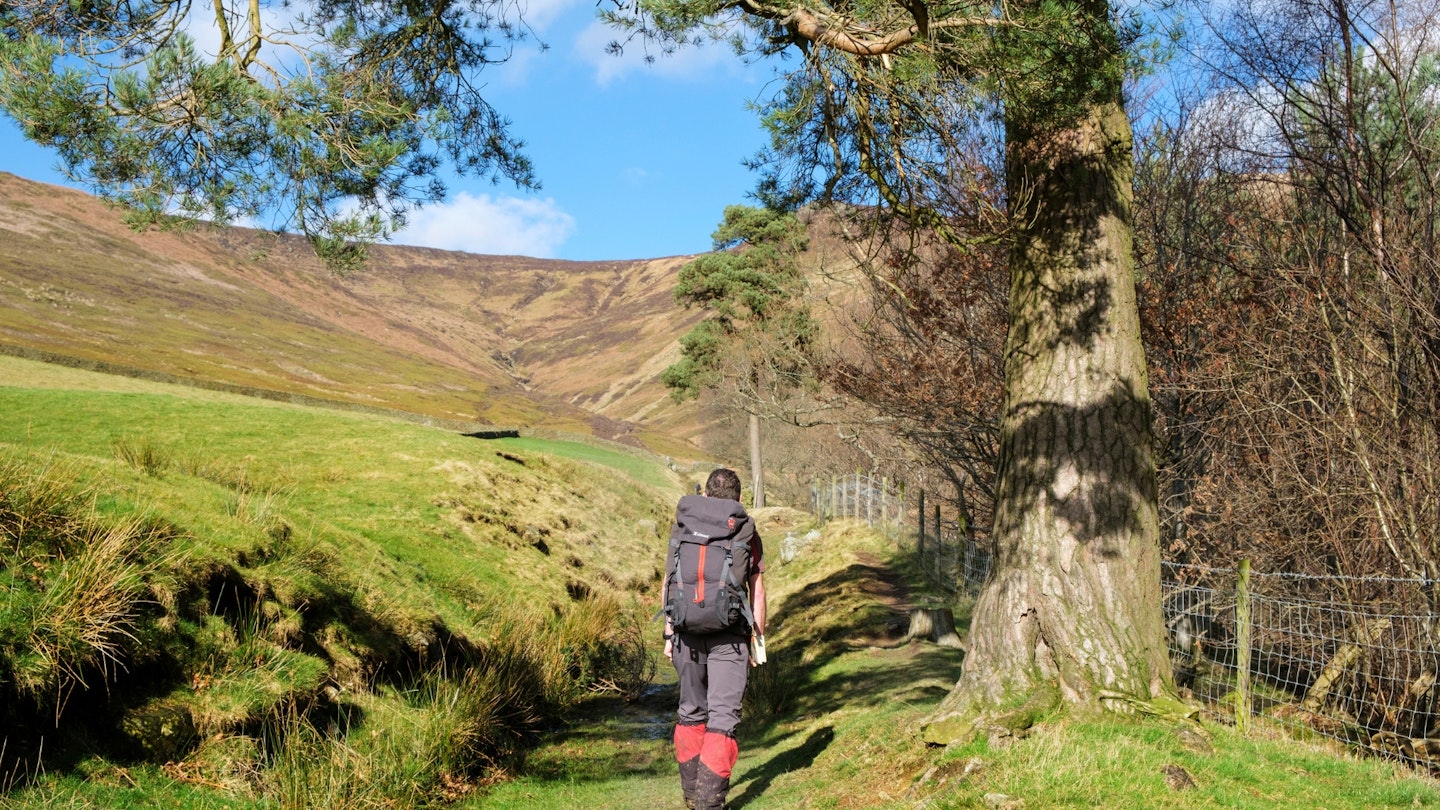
column 723, row 483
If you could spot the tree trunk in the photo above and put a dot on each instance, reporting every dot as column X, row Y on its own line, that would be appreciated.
column 1072, row 605
column 757, row 476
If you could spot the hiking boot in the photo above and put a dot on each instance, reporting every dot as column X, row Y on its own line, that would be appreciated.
column 689, row 739
column 712, row 778
column 710, row 790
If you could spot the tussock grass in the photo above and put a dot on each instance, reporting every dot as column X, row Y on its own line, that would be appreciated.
column 450, row 733
column 281, row 606
column 74, row 586
column 142, row 454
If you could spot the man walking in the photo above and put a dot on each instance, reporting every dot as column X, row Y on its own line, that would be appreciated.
column 714, row 598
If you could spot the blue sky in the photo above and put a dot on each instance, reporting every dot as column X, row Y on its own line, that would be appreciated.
column 635, row 160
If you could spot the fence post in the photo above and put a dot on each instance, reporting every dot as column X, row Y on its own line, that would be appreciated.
column 939, row 546
column 869, row 500
column 900, row 504
column 1242, row 648
column 884, row 500
column 920, row 544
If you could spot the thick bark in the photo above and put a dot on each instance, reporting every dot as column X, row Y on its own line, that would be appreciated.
column 1072, row 606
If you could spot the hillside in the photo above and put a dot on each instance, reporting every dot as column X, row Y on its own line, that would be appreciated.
column 191, row 574
column 500, row 340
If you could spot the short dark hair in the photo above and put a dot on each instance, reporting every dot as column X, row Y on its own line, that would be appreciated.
column 723, row 483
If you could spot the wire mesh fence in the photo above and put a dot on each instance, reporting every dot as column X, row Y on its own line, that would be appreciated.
column 1364, row 674
column 1353, row 659
column 950, row 564
column 1356, row 659
column 858, row 496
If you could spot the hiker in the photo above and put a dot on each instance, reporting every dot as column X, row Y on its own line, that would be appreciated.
column 714, row 603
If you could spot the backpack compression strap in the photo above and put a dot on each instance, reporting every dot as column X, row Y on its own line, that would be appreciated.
column 665, row 604
column 740, row 588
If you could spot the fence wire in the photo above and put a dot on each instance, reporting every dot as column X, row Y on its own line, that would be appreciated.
column 1355, row 659
column 1364, row 674
column 860, row 497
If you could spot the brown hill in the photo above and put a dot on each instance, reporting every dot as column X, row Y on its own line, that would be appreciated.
column 501, row 340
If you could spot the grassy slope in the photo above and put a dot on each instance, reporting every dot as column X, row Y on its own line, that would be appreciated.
column 507, row 340
column 338, row 549
column 398, row 492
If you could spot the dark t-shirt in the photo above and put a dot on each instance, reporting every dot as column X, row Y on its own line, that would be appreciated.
column 757, row 553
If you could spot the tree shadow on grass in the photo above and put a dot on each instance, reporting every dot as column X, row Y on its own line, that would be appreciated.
column 917, row 674
column 863, row 606
column 757, row 780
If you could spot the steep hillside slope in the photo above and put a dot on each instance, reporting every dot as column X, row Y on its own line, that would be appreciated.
column 502, row 340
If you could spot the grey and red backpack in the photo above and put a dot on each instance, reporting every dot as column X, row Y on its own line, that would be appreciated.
column 709, row 566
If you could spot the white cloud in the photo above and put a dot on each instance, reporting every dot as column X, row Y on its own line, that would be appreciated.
column 509, row 226
column 539, row 14
column 688, row 62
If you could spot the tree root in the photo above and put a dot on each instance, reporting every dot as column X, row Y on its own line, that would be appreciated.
column 963, row 725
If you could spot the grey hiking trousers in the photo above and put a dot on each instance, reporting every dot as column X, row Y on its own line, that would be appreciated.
column 712, row 670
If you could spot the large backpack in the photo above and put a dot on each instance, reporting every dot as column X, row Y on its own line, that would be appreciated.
column 709, row 566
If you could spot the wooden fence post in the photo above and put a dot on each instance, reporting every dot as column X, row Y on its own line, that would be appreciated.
column 939, row 546
column 900, row 504
column 920, row 543
column 1242, row 648
column 884, row 500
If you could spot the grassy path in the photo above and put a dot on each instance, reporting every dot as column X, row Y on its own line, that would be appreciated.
column 618, row 755
column 824, row 719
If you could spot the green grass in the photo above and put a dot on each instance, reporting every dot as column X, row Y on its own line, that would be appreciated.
column 638, row 467
column 183, row 566
column 267, row 606
column 1113, row 762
